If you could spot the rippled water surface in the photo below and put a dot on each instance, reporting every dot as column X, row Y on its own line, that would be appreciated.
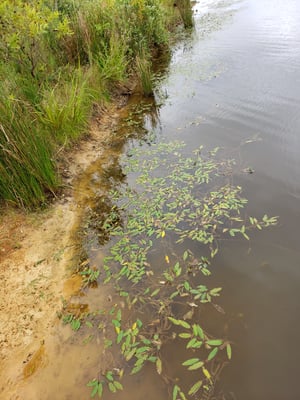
column 235, row 83
column 238, row 86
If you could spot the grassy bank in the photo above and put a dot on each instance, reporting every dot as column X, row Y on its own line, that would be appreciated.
column 58, row 58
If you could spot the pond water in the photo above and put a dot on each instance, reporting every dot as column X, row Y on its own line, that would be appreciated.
column 233, row 83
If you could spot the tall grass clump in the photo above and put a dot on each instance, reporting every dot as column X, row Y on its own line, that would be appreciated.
column 27, row 171
column 144, row 73
column 66, row 107
column 186, row 13
column 112, row 60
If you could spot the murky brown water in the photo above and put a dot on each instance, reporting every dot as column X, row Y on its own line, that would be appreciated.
column 235, row 84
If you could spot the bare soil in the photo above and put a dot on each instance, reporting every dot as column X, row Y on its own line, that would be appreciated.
column 37, row 251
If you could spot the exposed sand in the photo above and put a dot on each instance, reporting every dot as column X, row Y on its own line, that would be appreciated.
column 37, row 253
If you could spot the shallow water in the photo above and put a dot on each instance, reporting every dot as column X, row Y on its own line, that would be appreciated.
column 233, row 83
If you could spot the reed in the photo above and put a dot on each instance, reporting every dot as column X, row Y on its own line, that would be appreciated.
column 112, row 60
column 186, row 13
column 27, row 170
column 65, row 108
column 144, row 73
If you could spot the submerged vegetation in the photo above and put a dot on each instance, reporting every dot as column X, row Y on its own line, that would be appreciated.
column 164, row 234
column 58, row 58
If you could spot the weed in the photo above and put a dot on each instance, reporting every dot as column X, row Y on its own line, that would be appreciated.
column 65, row 109
column 74, row 322
column 27, row 171
column 179, row 203
column 186, row 13
column 112, row 60
column 109, row 380
column 90, row 275
column 143, row 68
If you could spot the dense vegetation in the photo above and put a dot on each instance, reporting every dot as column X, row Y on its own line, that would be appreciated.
column 58, row 58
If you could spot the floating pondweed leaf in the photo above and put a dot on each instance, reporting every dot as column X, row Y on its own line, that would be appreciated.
column 179, row 202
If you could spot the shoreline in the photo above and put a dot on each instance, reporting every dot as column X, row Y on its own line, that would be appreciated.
column 37, row 253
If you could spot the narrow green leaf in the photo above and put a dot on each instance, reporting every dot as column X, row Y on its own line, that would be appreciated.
column 130, row 354
column 194, row 389
column 142, row 349
column 173, row 320
column 196, row 366
column 109, row 376
column 191, row 343
column 92, row 383
column 118, row 385
column 94, row 391
column 205, row 271
column 194, row 344
column 184, row 335
column 184, row 324
column 100, row 389
column 215, row 291
column 200, row 332
column 119, row 315
column 136, row 369
column 139, row 323
column 195, row 330
column 120, row 337
column 213, row 252
column 155, row 292
column 116, row 323
column 175, row 392
column 214, row 342
column 212, row 354
column 111, row 387
column 191, row 361
column 140, row 360
column 174, row 294
column 246, row 236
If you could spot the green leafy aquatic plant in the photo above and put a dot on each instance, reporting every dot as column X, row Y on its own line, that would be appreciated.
column 168, row 231
column 177, row 198
column 72, row 320
column 108, row 380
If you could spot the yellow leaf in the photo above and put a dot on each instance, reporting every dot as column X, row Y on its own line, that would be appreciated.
column 163, row 234
column 167, row 259
column 133, row 326
column 117, row 329
column 206, row 373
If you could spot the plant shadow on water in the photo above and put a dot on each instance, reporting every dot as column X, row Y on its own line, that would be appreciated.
column 161, row 234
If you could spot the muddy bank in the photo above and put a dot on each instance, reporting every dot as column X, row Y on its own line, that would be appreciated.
column 37, row 258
